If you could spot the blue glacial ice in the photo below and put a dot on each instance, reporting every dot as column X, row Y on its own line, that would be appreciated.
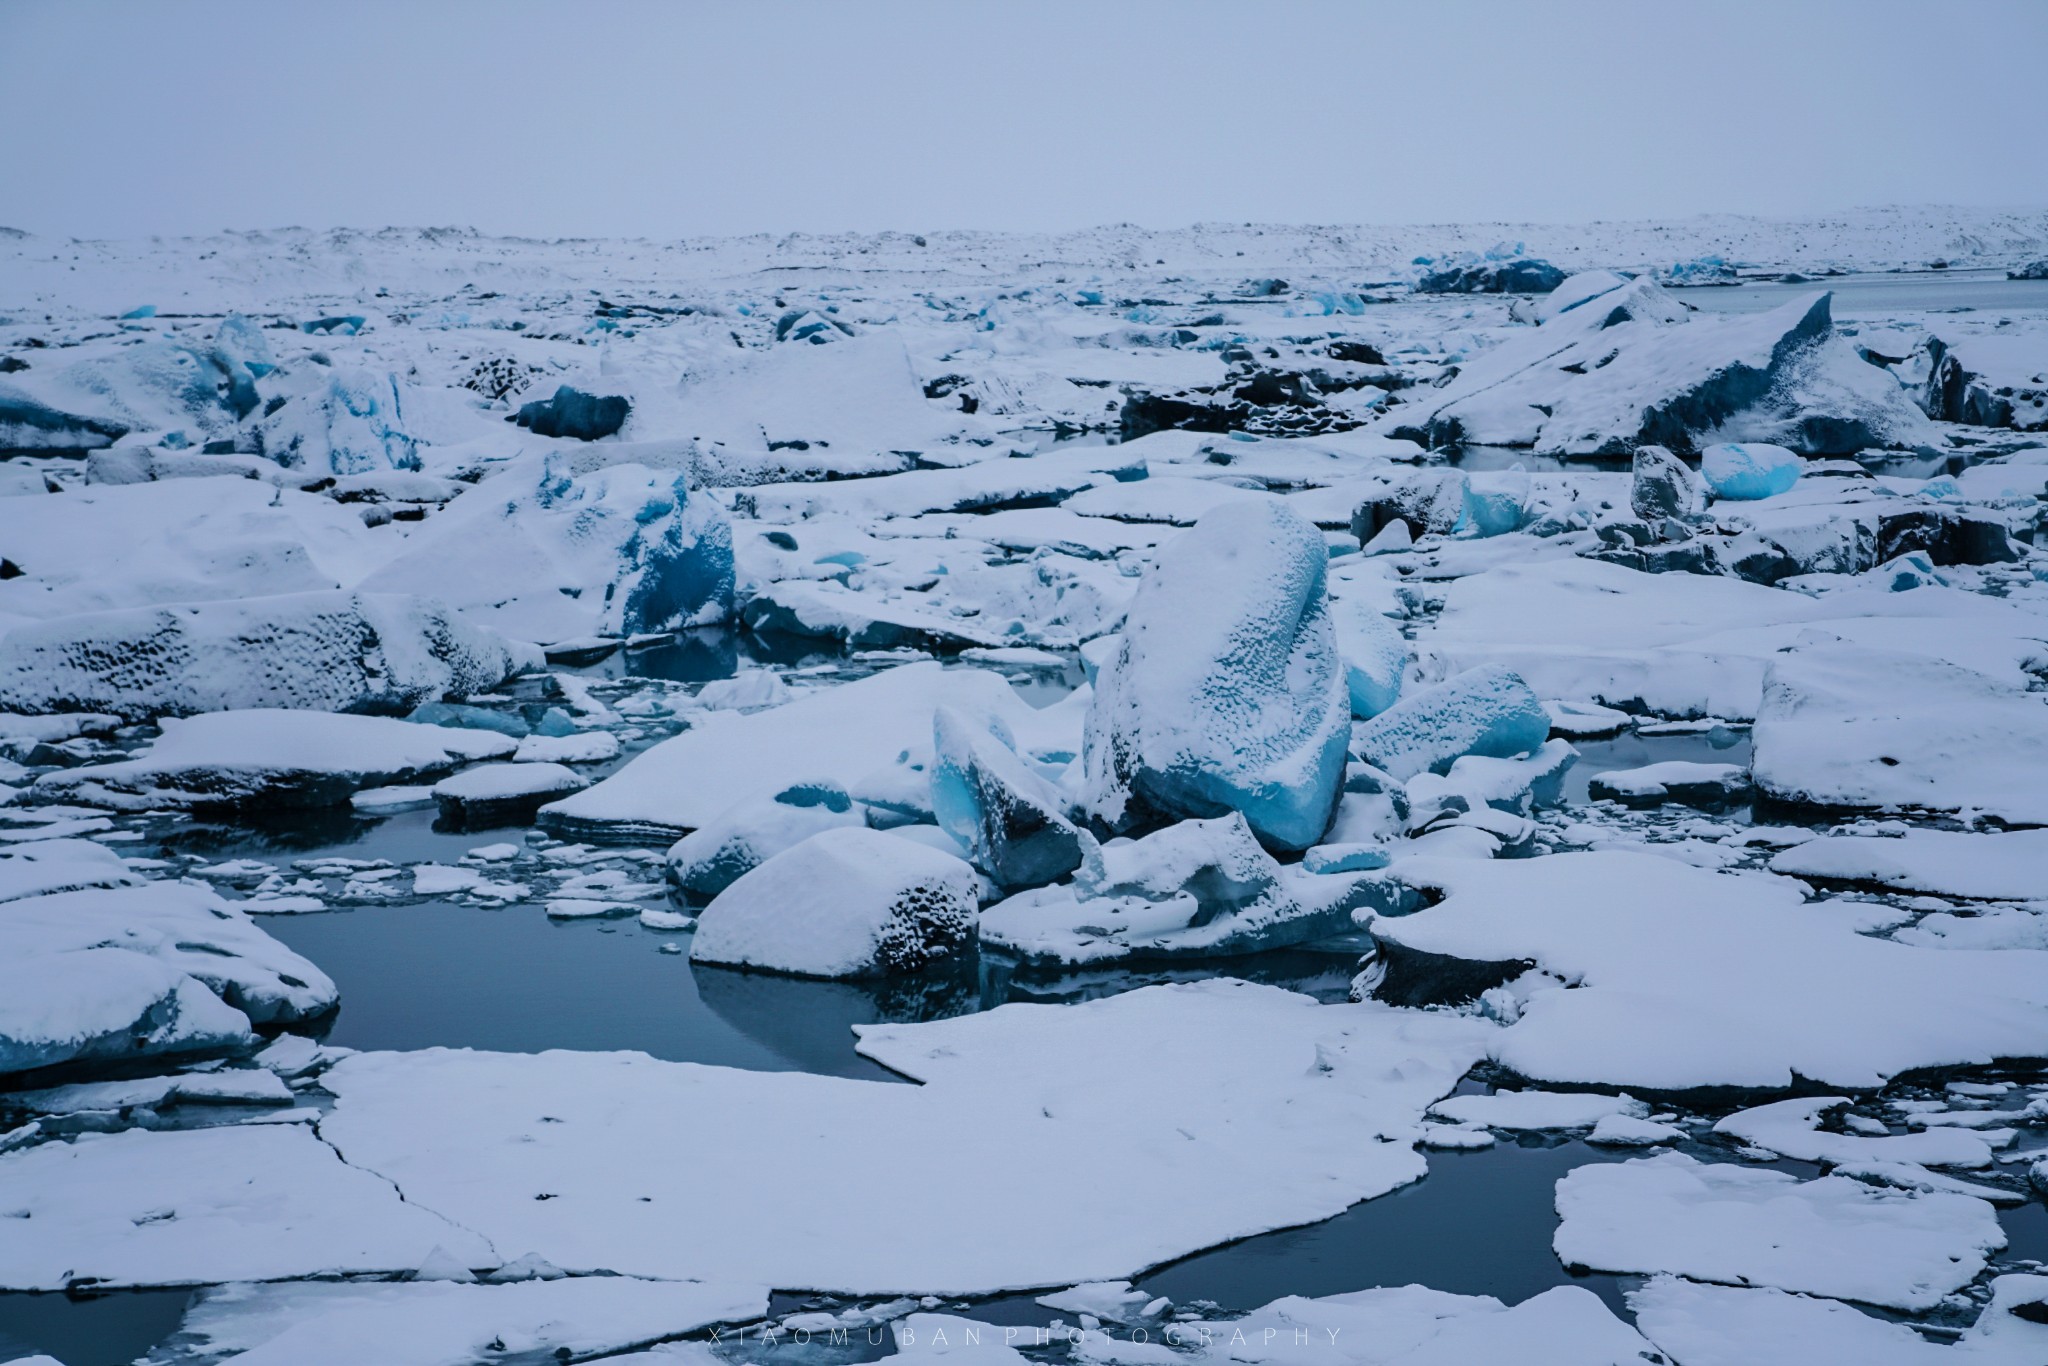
column 1487, row 711
column 1011, row 819
column 1747, row 470
column 1228, row 692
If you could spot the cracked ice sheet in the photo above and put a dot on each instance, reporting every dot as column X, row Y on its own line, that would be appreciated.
column 1404, row 1326
column 238, row 1202
column 1712, row 1325
column 1684, row 978
column 1101, row 1138
column 439, row 1323
column 1751, row 1226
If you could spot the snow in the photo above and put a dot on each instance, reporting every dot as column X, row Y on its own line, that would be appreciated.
column 1227, row 693
column 269, row 757
column 846, row 902
column 444, row 1324
column 1037, row 1093
column 1752, row 1226
column 239, row 1202
column 1682, row 978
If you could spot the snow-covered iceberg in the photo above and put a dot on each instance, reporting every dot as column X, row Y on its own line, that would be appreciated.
column 847, row 902
column 353, row 652
column 1196, row 889
column 1227, row 693
column 542, row 554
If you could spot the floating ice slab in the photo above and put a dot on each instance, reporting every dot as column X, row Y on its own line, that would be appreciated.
column 439, row 1323
column 1751, row 1226
column 1792, row 1128
column 2007, row 866
column 1537, row 1109
column 1714, row 1325
column 1845, row 726
column 273, row 758
column 1683, row 978
column 622, row 1144
column 115, row 974
column 240, row 1202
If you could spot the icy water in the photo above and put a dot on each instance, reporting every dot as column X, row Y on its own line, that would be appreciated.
column 1882, row 295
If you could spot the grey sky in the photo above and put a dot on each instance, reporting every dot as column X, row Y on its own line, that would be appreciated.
column 672, row 119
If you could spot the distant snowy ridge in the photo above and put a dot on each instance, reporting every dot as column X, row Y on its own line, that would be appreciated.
column 236, row 269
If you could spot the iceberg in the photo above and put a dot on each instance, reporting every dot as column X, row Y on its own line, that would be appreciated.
column 711, row 858
column 573, row 414
column 544, row 555
column 847, row 902
column 1487, row 711
column 333, row 651
column 1736, row 471
column 1012, row 821
column 1227, row 693
column 1203, row 888
column 347, row 422
column 1375, row 655
column 1661, row 486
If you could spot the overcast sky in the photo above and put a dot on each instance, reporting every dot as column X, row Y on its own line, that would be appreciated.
column 673, row 119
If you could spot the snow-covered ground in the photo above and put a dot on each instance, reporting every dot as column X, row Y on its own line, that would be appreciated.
column 1229, row 726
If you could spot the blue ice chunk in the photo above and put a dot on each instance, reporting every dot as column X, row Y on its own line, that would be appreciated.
column 554, row 722
column 1487, row 711
column 346, row 325
column 1497, row 505
column 1227, row 692
column 681, row 567
column 1345, row 858
column 1914, row 569
column 574, row 414
column 1744, row 471
column 458, row 716
column 1375, row 656
column 1013, row 822
column 134, row 314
